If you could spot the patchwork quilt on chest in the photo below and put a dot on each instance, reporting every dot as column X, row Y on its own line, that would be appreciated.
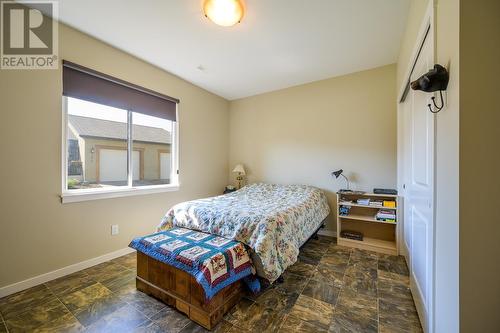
column 215, row 262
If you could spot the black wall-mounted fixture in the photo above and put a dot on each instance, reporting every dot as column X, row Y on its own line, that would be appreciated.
column 435, row 79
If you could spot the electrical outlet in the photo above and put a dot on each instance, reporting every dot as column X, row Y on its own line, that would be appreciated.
column 114, row 229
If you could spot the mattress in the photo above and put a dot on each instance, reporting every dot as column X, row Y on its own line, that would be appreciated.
column 273, row 220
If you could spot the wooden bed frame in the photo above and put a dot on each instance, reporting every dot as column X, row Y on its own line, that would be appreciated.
column 180, row 290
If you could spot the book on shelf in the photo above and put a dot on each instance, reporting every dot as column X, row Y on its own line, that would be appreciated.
column 389, row 203
column 386, row 215
column 356, row 235
column 344, row 210
column 386, row 220
column 363, row 201
column 376, row 203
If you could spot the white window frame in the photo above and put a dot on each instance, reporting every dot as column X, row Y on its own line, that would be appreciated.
column 68, row 196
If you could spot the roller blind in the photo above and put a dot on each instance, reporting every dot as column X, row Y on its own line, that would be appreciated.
column 90, row 85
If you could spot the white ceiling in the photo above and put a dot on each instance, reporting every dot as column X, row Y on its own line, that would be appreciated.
column 278, row 44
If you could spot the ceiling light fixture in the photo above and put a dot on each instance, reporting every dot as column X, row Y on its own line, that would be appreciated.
column 224, row 12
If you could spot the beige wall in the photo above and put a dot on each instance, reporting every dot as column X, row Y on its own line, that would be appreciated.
column 301, row 134
column 479, row 166
column 447, row 154
column 37, row 233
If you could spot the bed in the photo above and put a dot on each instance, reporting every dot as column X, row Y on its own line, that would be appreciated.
column 273, row 220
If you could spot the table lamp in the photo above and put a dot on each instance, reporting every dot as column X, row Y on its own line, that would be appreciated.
column 240, row 170
column 339, row 173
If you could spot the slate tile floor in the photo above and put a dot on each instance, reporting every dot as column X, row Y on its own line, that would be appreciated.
column 330, row 289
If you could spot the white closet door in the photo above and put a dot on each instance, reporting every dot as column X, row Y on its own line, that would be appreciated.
column 419, row 166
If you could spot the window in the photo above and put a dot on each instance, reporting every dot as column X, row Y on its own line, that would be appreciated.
column 114, row 146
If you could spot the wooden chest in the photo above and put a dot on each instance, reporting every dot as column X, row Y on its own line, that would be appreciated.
column 180, row 290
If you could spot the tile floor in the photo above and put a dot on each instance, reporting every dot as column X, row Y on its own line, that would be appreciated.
column 330, row 289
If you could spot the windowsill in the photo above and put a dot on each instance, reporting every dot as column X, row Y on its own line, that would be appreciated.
column 86, row 195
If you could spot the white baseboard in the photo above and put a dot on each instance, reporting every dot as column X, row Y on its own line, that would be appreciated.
column 326, row 232
column 34, row 281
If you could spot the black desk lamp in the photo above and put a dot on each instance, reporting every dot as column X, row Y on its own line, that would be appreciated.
column 339, row 173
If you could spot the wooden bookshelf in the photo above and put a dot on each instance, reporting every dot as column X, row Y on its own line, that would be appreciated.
column 379, row 236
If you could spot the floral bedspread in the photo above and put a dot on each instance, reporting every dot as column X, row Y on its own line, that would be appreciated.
column 273, row 220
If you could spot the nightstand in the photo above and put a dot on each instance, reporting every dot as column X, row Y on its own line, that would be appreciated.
column 227, row 190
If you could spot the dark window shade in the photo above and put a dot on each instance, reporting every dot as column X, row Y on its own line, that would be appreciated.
column 87, row 84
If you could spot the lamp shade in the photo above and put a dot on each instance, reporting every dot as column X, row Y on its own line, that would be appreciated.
column 337, row 173
column 239, row 169
column 224, row 12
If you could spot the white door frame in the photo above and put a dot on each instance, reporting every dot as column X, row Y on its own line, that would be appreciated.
column 427, row 30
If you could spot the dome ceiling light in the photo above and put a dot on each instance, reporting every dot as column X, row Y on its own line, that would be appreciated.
column 225, row 13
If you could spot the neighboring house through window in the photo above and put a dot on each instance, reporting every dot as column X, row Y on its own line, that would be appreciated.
column 112, row 149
